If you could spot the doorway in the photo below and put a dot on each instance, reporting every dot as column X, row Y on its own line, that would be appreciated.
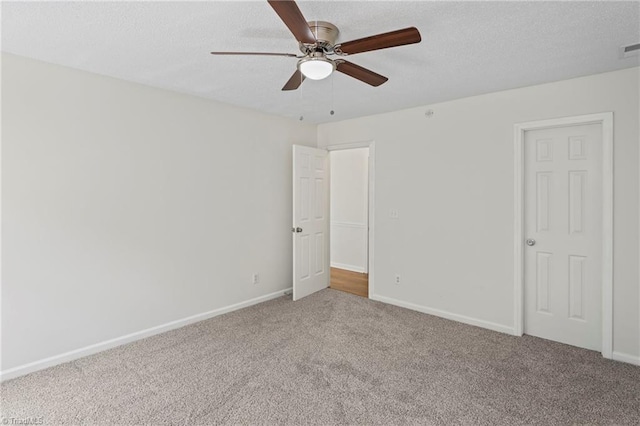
column 311, row 230
column 564, row 230
column 349, row 220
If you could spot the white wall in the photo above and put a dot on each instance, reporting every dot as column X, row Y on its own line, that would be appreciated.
column 451, row 178
column 349, row 208
column 126, row 207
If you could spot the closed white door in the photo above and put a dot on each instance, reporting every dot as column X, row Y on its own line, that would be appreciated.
column 563, row 231
column 310, row 221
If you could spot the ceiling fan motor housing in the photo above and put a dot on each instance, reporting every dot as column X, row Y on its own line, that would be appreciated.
column 325, row 32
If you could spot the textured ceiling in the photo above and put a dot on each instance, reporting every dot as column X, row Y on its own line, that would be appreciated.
column 468, row 48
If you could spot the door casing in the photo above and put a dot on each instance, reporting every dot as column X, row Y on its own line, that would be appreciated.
column 606, row 122
column 371, row 145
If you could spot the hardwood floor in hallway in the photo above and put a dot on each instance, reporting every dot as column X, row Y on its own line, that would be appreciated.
column 351, row 282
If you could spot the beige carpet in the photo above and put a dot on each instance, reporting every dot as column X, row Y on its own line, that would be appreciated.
column 332, row 358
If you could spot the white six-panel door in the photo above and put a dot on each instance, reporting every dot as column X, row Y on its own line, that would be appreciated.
column 563, row 231
column 310, row 221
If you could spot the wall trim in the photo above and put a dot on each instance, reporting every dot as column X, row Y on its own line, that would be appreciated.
column 349, row 224
column 616, row 356
column 622, row 357
column 352, row 268
column 128, row 338
column 606, row 121
column 445, row 314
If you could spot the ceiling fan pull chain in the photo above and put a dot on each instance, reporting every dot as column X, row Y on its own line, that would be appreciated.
column 300, row 103
column 333, row 76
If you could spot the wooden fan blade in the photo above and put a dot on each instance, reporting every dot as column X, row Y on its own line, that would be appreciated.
column 290, row 14
column 381, row 41
column 292, row 55
column 295, row 81
column 362, row 74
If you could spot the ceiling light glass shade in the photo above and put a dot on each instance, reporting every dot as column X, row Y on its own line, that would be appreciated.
column 316, row 68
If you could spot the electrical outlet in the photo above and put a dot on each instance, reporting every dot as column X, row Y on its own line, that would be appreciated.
column 255, row 278
column 397, row 279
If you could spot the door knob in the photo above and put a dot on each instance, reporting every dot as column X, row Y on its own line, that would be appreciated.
column 296, row 229
column 531, row 242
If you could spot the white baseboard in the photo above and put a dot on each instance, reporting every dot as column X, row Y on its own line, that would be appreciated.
column 622, row 357
column 352, row 268
column 118, row 341
column 444, row 314
column 616, row 356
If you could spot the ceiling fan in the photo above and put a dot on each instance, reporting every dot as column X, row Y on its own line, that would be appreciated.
column 317, row 40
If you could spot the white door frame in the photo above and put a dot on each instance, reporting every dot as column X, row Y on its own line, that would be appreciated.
column 371, row 145
column 606, row 120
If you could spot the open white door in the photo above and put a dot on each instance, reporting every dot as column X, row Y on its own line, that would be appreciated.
column 310, row 221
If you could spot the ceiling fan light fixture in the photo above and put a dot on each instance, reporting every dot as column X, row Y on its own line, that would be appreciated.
column 316, row 67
